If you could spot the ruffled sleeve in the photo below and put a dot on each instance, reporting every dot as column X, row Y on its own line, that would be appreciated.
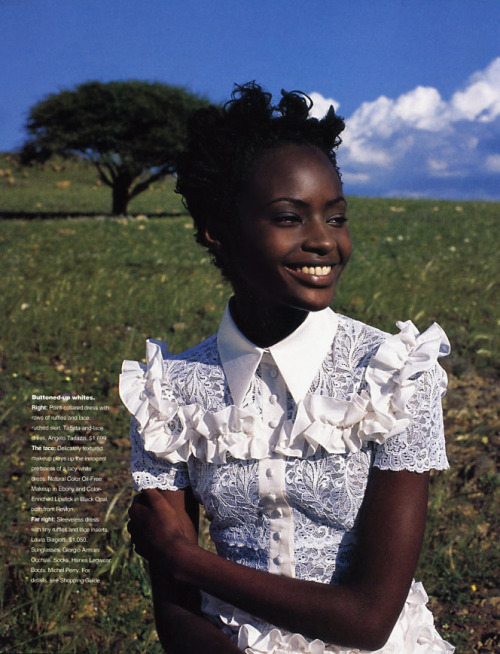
column 144, row 393
column 420, row 446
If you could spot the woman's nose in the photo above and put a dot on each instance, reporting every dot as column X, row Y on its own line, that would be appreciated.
column 319, row 237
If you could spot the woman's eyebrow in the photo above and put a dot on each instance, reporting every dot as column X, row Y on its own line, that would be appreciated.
column 301, row 203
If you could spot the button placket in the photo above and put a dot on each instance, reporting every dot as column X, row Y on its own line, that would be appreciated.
column 272, row 473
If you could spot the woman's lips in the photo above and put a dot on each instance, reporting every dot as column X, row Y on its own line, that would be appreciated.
column 321, row 275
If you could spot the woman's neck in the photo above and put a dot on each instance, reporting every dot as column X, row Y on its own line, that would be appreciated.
column 262, row 324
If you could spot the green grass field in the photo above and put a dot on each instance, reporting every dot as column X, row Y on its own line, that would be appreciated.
column 81, row 294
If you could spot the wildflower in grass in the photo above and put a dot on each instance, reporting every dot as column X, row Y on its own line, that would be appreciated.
column 14, row 374
column 140, row 227
column 435, row 208
column 397, row 209
column 24, row 306
column 389, row 239
column 452, row 248
column 459, row 209
column 401, row 237
column 473, row 588
column 67, row 378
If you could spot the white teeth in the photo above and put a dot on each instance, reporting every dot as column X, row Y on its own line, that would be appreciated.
column 318, row 271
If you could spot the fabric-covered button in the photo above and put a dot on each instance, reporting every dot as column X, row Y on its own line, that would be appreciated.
column 272, row 497
column 273, row 373
column 278, row 560
column 273, row 399
column 277, row 536
column 273, row 423
column 277, row 513
column 269, row 473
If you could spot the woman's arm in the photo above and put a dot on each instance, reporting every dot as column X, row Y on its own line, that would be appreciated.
column 179, row 622
column 359, row 613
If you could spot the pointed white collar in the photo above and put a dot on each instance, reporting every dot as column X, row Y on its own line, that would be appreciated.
column 298, row 356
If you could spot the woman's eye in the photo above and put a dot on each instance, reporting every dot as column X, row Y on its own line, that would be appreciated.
column 287, row 218
column 338, row 220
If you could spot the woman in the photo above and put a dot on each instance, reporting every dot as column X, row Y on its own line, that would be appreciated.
column 307, row 436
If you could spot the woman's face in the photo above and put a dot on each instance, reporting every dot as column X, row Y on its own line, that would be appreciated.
column 292, row 241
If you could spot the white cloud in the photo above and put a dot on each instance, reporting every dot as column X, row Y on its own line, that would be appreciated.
column 355, row 178
column 480, row 100
column 422, row 141
column 492, row 163
column 421, row 108
column 321, row 104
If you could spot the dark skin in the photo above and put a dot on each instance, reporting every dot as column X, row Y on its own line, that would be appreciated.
column 295, row 245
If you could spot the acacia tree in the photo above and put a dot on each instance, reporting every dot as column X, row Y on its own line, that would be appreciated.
column 132, row 131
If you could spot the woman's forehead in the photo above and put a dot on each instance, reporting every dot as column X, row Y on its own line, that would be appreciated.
column 293, row 166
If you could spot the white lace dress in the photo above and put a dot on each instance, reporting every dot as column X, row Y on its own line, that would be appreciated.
column 277, row 445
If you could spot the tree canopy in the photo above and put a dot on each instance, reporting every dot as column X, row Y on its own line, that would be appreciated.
column 132, row 131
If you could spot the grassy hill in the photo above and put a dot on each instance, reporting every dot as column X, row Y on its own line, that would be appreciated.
column 73, row 187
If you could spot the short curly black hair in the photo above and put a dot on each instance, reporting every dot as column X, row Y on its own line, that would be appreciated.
column 224, row 143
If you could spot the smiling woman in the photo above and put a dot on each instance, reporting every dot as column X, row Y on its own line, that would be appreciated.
column 307, row 436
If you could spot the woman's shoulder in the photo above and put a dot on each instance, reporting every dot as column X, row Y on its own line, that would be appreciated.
column 357, row 338
column 137, row 378
column 357, row 326
column 361, row 333
column 205, row 352
column 368, row 346
column 158, row 350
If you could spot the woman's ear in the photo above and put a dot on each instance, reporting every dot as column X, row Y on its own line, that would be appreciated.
column 212, row 237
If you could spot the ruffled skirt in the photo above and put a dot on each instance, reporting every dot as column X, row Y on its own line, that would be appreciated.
column 413, row 633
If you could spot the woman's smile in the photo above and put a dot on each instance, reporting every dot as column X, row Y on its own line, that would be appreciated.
column 313, row 274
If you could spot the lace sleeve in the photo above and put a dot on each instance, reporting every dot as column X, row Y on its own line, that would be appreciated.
column 149, row 471
column 421, row 446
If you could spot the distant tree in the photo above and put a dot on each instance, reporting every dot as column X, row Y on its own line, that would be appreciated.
column 132, row 131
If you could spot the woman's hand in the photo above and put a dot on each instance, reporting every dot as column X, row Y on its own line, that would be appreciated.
column 158, row 528
column 163, row 527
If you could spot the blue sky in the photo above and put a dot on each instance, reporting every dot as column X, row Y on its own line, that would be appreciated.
column 417, row 80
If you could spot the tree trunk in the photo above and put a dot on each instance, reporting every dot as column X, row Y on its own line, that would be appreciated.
column 121, row 195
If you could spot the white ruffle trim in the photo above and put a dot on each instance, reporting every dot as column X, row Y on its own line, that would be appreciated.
column 413, row 633
column 376, row 414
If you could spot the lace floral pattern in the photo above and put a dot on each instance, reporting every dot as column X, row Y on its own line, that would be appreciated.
column 421, row 446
